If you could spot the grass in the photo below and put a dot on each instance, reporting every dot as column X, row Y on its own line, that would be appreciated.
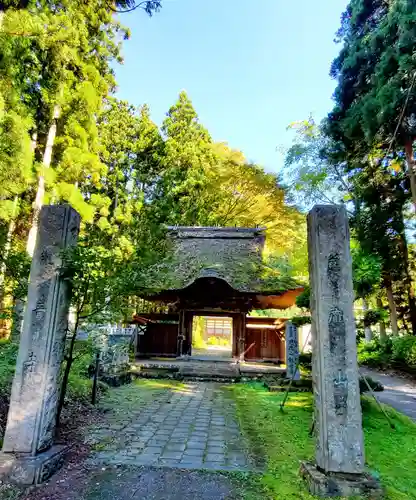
column 119, row 400
column 283, row 438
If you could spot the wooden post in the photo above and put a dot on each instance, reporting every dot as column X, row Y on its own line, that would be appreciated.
column 243, row 333
column 181, row 332
column 236, row 337
column 187, row 347
column 95, row 380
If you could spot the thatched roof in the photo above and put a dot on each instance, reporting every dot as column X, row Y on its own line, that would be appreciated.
column 232, row 255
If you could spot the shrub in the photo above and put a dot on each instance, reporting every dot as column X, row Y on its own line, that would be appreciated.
column 374, row 384
column 80, row 383
column 305, row 361
column 214, row 341
column 375, row 353
column 299, row 321
column 8, row 355
column 79, row 387
column 399, row 352
column 404, row 351
column 372, row 317
column 303, row 299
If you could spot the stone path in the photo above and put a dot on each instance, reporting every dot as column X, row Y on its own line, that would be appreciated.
column 193, row 426
column 399, row 392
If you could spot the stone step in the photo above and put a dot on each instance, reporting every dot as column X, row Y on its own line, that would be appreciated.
column 282, row 388
column 188, row 377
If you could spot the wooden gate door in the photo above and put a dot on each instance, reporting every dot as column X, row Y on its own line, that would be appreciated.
column 263, row 344
column 159, row 339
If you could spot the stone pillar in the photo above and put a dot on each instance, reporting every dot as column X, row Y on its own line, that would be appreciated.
column 338, row 420
column 35, row 392
column 292, row 351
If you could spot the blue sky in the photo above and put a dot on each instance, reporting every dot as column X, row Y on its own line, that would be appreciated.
column 250, row 66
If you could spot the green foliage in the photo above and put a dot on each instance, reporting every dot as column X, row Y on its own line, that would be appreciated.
column 290, row 312
column 198, row 332
column 362, row 154
column 373, row 316
column 126, row 178
column 372, row 131
column 375, row 353
column 80, row 381
column 374, row 70
column 404, row 351
column 366, row 270
column 305, row 361
column 8, row 355
column 303, row 299
column 395, row 352
column 311, row 176
column 15, row 158
column 67, row 72
column 185, row 192
column 299, row 321
column 218, row 341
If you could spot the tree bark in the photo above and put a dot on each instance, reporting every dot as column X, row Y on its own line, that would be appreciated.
column 19, row 304
column 5, row 324
column 18, row 313
column 408, row 147
column 392, row 307
column 382, row 325
column 368, row 334
column 68, row 366
column 40, row 193
column 409, row 284
column 7, row 246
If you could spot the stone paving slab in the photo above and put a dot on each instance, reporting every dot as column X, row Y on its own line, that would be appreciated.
column 192, row 427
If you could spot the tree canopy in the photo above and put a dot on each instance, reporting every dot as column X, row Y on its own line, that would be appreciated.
column 66, row 138
column 362, row 154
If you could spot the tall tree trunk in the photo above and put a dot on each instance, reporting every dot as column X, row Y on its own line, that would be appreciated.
column 7, row 246
column 411, row 170
column 392, row 307
column 408, row 284
column 382, row 325
column 19, row 303
column 5, row 323
column 368, row 334
column 65, row 378
column 40, row 193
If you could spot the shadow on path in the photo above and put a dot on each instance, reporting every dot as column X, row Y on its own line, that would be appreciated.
column 160, row 483
column 399, row 392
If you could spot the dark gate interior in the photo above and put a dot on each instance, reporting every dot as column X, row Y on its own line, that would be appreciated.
column 158, row 337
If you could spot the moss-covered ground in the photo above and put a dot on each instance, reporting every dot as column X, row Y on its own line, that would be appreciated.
column 283, row 438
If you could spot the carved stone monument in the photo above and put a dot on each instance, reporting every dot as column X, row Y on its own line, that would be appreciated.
column 292, row 351
column 28, row 454
column 339, row 469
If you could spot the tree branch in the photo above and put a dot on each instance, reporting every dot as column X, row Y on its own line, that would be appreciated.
column 147, row 5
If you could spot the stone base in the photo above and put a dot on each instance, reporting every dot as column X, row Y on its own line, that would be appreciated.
column 335, row 484
column 28, row 470
column 116, row 379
